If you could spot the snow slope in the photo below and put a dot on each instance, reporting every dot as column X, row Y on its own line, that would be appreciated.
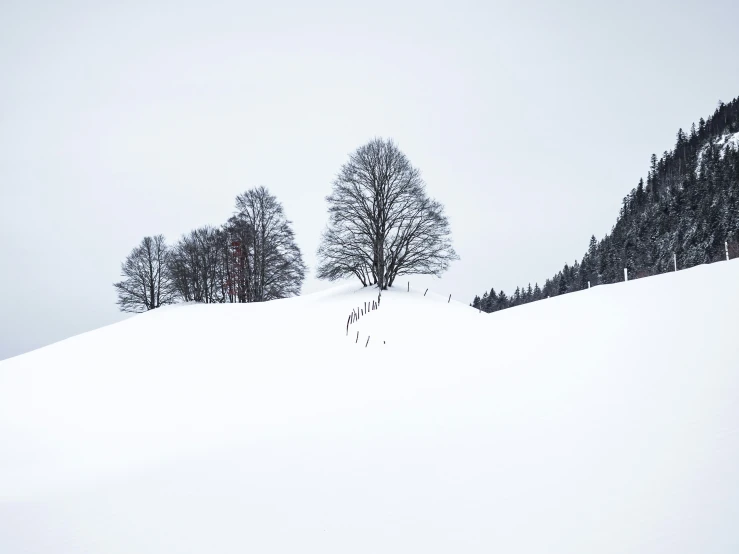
column 601, row 421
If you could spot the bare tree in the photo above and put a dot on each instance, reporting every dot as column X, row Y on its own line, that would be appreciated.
column 146, row 281
column 195, row 266
column 272, row 263
column 381, row 222
column 238, row 260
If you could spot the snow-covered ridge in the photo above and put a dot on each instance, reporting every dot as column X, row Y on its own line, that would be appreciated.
column 598, row 421
column 723, row 143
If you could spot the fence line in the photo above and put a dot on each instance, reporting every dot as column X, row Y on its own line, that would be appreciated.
column 370, row 307
column 731, row 251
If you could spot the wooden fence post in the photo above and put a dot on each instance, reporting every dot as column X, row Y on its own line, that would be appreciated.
column 425, row 292
column 366, row 343
column 356, row 341
column 450, row 299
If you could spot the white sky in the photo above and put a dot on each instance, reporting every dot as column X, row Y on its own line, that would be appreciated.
column 530, row 122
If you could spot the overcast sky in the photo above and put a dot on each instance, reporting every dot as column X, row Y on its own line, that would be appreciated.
column 530, row 122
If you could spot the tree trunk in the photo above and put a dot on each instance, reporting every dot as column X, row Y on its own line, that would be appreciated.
column 380, row 257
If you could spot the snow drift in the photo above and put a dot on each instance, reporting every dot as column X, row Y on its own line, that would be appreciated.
column 600, row 421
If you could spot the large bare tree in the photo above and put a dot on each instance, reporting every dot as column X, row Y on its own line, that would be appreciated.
column 382, row 224
column 146, row 281
column 271, row 259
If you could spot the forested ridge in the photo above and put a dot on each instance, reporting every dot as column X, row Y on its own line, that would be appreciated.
column 683, row 214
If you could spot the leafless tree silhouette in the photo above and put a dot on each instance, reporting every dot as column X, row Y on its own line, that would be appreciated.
column 381, row 222
column 146, row 281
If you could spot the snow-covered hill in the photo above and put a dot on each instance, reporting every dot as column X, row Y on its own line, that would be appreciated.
column 601, row 421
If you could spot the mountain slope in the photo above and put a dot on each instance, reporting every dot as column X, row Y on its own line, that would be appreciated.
column 686, row 214
column 602, row 421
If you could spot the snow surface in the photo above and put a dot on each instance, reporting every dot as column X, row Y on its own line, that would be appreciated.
column 601, row 421
column 723, row 143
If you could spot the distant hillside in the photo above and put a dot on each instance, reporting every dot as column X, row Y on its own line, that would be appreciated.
column 688, row 208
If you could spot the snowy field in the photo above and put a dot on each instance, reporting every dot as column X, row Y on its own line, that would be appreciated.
column 602, row 421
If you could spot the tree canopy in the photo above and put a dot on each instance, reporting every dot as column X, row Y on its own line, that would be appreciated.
column 381, row 223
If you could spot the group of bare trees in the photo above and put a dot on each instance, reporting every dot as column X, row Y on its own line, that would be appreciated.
column 381, row 225
column 252, row 258
column 197, row 265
